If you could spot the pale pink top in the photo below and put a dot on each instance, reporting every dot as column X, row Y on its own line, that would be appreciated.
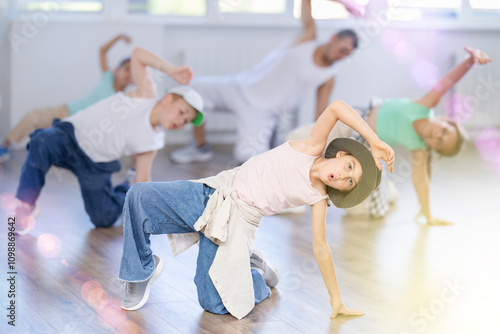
column 277, row 179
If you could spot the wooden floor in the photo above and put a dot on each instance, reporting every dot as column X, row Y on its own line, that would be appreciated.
column 406, row 277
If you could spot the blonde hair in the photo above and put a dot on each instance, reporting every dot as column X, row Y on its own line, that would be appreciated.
column 457, row 148
column 459, row 144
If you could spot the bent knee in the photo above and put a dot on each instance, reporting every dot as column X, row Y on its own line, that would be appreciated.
column 213, row 306
column 136, row 192
column 103, row 221
column 44, row 138
column 39, row 142
column 208, row 296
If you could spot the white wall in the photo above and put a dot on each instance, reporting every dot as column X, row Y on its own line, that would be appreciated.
column 60, row 62
column 5, row 115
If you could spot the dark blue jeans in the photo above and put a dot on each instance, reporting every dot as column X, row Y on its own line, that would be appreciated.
column 172, row 207
column 57, row 146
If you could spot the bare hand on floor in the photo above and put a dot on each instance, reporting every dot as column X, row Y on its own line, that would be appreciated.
column 339, row 308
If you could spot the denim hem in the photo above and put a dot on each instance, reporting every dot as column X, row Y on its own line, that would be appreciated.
column 136, row 281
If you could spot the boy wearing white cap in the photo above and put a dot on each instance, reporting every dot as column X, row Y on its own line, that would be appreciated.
column 90, row 143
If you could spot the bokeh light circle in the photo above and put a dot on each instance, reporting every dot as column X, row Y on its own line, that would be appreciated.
column 28, row 223
column 49, row 245
column 8, row 201
column 94, row 294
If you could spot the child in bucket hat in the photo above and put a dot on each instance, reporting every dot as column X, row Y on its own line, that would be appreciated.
column 223, row 212
column 371, row 174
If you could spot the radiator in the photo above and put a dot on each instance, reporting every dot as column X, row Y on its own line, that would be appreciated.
column 221, row 59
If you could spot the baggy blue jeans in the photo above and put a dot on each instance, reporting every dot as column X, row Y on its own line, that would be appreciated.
column 58, row 146
column 172, row 207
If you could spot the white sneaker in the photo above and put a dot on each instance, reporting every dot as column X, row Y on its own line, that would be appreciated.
column 130, row 176
column 4, row 154
column 192, row 153
column 269, row 272
column 23, row 210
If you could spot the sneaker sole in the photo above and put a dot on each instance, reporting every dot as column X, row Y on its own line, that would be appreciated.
column 4, row 157
column 262, row 256
column 189, row 160
column 33, row 214
column 157, row 272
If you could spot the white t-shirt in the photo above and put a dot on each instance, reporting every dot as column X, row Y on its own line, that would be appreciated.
column 283, row 77
column 117, row 126
column 277, row 179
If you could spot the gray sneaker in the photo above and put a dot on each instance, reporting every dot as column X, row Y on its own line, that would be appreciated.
column 137, row 293
column 192, row 153
column 270, row 273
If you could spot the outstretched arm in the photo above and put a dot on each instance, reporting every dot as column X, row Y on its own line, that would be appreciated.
column 420, row 177
column 324, row 259
column 340, row 111
column 143, row 166
column 322, row 96
column 105, row 48
column 431, row 99
column 146, row 86
column 353, row 7
column 308, row 25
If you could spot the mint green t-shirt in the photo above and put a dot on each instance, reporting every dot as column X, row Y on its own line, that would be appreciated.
column 103, row 89
column 395, row 123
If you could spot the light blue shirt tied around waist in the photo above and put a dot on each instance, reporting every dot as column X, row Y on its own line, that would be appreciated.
column 230, row 223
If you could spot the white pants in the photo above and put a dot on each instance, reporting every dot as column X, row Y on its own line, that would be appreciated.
column 254, row 125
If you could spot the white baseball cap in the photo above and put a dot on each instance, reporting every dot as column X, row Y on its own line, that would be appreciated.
column 193, row 98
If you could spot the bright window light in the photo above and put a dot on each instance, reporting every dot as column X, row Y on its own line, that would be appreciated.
column 252, row 6
column 407, row 14
column 427, row 3
column 64, row 6
column 413, row 10
column 485, row 4
column 168, row 7
column 325, row 9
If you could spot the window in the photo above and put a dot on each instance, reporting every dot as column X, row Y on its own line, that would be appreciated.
column 428, row 3
column 62, row 5
column 411, row 10
column 325, row 10
column 252, row 6
column 169, row 7
column 485, row 4
column 199, row 7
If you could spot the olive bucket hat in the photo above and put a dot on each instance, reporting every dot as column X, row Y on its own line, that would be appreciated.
column 370, row 179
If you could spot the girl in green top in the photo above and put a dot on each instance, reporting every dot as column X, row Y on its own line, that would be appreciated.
column 109, row 83
column 408, row 123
